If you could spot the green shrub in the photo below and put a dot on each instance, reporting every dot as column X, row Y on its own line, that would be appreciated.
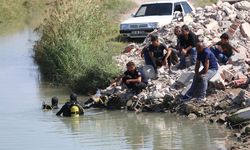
column 75, row 48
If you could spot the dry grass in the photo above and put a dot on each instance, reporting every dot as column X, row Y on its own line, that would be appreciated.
column 17, row 14
column 202, row 3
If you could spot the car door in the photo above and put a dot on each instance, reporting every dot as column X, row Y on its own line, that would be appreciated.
column 178, row 11
column 178, row 7
column 186, row 7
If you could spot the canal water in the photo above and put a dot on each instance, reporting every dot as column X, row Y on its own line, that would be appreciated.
column 23, row 125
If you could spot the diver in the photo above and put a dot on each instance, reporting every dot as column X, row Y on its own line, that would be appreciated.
column 54, row 104
column 71, row 108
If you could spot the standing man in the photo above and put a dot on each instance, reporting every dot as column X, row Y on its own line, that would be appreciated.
column 188, row 42
column 209, row 62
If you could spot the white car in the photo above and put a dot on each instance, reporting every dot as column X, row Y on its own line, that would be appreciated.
column 153, row 15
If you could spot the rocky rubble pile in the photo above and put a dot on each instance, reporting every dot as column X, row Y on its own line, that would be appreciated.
column 208, row 23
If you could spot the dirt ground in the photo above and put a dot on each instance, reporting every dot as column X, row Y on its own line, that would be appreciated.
column 128, row 15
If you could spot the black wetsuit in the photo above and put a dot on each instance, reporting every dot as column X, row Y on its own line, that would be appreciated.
column 65, row 110
column 49, row 107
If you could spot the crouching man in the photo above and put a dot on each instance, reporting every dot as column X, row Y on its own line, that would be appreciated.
column 223, row 50
column 132, row 78
column 157, row 54
column 201, row 78
column 186, row 47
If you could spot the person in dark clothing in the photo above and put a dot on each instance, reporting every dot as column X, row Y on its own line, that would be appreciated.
column 66, row 110
column 223, row 50
column 54, row 104
column 159, row 53
column 132, row 78
column 175, row 49
column 177, row 32
column 210, row 67
column 146, row 56
column 187, row 43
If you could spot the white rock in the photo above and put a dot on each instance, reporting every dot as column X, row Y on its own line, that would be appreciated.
column 241, row 55
column 227, row 75
column 157, row 94
column 158, row 86
column 241, row 15
column 200, row 32
column 248, row 19
column 245, row 30
column 162, row 71
column 214, row 6
column 240, row 116
column 188, row 19
column 243, row 5
column 149, row 71
column 208, row 8
column 219, row 3
column 213, row 25
column 215, row 40
column 227, row 10
column 192, row 116
column 207, row 42
column 219, row 17
column 225, row 24
column 185, row 78
column 232, row 17
column 171, row 81
column 226, row 4
column 217, row 79
column 199, row 9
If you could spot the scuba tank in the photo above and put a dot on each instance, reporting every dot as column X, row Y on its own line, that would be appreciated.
column 74, row 111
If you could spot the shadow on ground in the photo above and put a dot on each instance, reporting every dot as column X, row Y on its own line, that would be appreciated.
column 123, row 39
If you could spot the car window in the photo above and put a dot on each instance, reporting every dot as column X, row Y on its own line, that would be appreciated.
column 186, row 7
column 177, row 7
column 141, row 11
column 154, row 9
